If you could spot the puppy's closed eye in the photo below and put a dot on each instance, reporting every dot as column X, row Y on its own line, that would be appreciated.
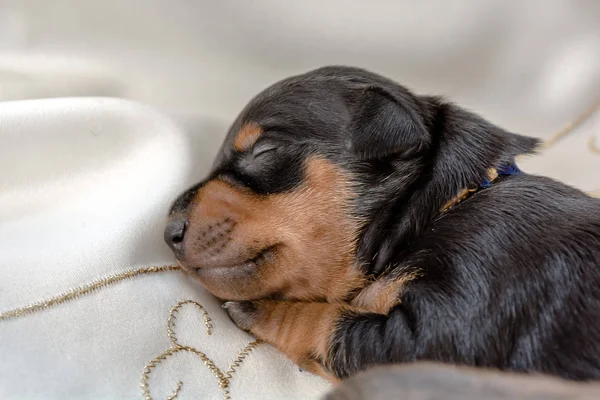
column 263, row 148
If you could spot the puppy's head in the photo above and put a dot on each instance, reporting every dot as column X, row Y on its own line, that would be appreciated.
column 304, row 179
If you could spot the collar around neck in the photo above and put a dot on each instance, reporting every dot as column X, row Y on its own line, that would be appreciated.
column 492, row 176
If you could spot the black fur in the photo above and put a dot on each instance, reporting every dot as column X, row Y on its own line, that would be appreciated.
column 509, row 278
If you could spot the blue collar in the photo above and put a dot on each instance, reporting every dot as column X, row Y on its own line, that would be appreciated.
column 492, row 175
column 503, row 170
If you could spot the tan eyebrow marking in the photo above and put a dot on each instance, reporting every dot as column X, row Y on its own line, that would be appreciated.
column 247, row 136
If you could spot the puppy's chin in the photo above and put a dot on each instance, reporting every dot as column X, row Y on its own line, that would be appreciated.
column 237, row 280
column 230, row 283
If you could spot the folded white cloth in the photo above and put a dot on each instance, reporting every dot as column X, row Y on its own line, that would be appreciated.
column 85, row 185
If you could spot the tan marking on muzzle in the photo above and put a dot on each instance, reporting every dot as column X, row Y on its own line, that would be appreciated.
column 311, row 228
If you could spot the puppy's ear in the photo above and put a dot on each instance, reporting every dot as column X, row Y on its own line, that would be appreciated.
column 383, row 124
column 467, row 146
column 472, row 144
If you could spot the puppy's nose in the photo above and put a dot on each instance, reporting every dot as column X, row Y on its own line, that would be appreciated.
column 174, row 233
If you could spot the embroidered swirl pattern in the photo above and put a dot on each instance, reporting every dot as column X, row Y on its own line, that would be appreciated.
column 223, row 378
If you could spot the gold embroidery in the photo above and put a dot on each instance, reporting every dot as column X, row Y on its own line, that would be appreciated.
column 223, row 378
column 561, row 134
column 83, row 290
column 173, row 315
column 594, row 148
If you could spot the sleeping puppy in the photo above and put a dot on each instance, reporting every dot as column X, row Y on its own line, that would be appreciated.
column 351, row 223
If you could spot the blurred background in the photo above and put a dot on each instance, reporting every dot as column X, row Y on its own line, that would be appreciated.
column 531, row 66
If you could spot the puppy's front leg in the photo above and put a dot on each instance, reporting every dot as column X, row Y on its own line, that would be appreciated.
column 332, row 340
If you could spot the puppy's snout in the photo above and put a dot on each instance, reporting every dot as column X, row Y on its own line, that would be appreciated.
column 174, row 233
column 202, row 231
column 214, row 235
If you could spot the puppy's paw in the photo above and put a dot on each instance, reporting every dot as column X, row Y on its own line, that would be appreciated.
column 302, row 331
column 245, row 314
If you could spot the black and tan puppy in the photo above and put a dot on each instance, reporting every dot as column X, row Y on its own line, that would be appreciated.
column 352, row 223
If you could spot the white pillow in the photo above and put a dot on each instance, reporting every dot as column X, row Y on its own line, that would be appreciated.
column 84, row 189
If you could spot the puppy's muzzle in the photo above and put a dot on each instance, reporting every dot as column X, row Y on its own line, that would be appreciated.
column 205, row 232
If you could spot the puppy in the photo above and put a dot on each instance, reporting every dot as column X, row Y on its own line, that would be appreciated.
column 352, row 223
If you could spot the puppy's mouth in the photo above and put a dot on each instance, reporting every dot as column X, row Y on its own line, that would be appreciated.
column 235, row 269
